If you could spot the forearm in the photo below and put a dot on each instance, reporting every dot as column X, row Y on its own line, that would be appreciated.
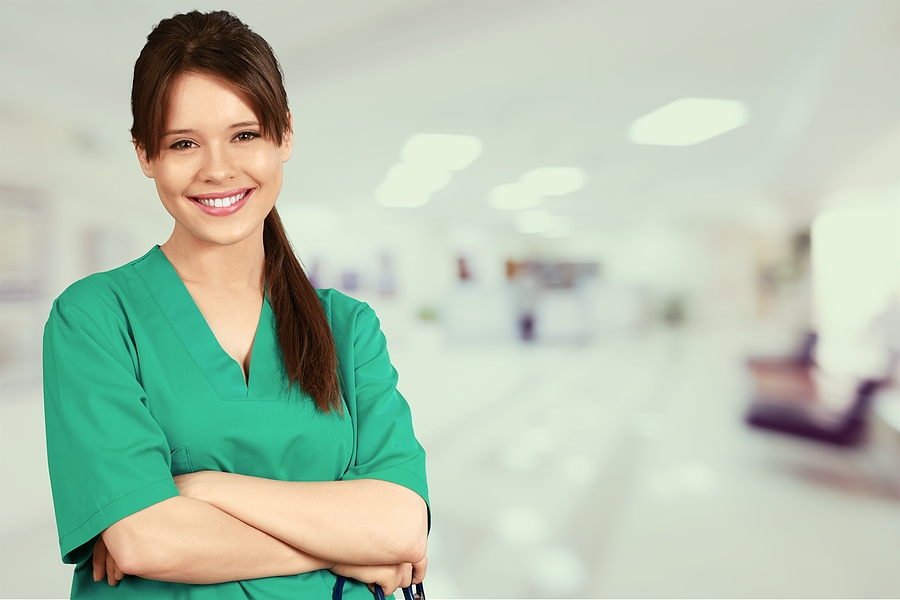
column 186, row 540
column 363, row 522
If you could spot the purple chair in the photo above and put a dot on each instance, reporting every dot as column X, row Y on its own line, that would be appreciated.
column 813, row 421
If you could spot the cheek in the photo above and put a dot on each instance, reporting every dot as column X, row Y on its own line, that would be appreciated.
column 266, row 170
column 162, row 189
column 172, row 180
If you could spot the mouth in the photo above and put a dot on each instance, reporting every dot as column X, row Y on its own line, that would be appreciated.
column 223, row 199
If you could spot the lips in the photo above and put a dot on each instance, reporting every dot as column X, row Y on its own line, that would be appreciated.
column 223, row 203
column 221, row 199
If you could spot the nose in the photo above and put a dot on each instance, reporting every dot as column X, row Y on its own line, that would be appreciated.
column 218, row 166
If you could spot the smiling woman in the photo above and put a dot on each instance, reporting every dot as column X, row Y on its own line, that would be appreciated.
column 214, row 163
column 220, row 165
column 211, row 417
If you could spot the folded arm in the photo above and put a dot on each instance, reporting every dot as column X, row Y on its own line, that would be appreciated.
column 361, row 522
column 188, row 541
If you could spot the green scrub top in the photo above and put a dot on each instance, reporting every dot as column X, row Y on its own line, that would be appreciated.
column 137, row 389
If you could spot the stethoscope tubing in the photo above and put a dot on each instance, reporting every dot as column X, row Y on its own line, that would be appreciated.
column 408, row 593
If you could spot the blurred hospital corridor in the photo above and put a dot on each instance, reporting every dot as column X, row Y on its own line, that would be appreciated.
column 637, row 264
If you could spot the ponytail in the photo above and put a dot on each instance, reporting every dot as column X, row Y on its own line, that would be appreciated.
column 307, row 344
column 220, row 45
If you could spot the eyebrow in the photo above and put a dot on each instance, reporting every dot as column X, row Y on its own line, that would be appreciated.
column 234, row 126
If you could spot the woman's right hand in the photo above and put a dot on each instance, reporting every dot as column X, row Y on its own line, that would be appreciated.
column 389, row 577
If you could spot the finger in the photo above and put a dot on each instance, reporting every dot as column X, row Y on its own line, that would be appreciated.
column 406, row 575
column 98, row 560
column 419, row 569
column 111, row 570
column 391, row 580
column 119, row 573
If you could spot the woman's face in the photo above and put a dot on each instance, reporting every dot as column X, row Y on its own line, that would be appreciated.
column 216, row 174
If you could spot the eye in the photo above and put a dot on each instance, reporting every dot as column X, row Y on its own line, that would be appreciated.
column 246, row 136
column 182, row 145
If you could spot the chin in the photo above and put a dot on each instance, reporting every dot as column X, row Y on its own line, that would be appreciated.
column 223, row 238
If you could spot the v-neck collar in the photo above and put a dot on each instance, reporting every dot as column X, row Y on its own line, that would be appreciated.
column 177, row 305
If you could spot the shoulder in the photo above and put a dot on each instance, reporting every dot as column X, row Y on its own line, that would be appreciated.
column 341, row 308
column 349, row 318
column 100, row 296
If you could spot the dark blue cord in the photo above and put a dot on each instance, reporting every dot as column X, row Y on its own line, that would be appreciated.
column 408, row 594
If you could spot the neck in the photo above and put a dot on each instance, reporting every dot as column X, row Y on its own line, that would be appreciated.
column 238, row 266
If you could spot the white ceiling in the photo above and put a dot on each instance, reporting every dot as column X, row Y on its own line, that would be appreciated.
column 542, row 83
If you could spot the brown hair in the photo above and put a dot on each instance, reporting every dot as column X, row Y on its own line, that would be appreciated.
column 220, row 45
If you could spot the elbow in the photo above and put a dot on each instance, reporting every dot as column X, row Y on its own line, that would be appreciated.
column 414, row 542
column 129, row 561
column 410, row 550
column 398, row 527
column 144, row 563
column 415, row 553
column 135, row 555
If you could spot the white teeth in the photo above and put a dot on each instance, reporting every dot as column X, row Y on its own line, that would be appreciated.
column 222, row 202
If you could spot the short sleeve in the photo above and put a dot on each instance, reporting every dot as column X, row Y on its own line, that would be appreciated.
column 387, row 448
column 107, row 456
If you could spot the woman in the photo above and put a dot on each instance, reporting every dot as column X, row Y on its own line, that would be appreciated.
column 211, row 417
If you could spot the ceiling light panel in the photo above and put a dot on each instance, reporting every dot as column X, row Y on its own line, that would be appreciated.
column 426, row 162
column 688, row 121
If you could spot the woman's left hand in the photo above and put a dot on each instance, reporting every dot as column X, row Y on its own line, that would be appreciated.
column 104, row 565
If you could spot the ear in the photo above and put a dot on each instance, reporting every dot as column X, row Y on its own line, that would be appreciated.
column 146, row 166
column 287, row 140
